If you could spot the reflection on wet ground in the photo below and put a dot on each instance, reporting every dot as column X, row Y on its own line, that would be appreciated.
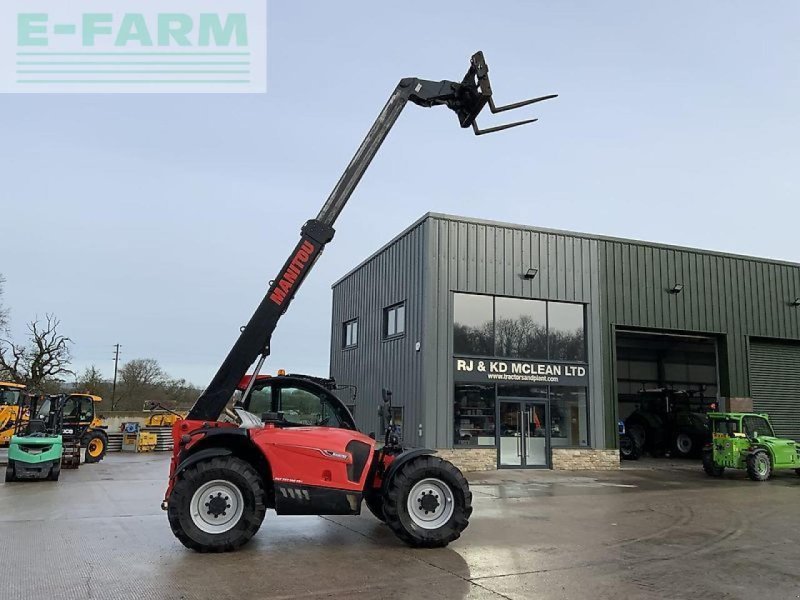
column 653, row 530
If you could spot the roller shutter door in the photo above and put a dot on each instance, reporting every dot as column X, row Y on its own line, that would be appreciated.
column 775, row 385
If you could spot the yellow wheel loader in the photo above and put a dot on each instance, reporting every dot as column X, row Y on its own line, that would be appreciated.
column 9, row 404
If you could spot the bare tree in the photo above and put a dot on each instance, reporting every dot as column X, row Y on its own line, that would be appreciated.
column 91, row 382
column 138, row 378
column 43, row 358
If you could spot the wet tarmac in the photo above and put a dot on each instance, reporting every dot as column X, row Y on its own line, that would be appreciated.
column 640, row 533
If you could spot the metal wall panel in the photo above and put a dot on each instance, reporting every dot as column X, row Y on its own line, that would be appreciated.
column 478, row 257
column 732, row 297
column 775, row 383
column 393, row 275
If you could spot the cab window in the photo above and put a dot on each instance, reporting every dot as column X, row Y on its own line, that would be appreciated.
column 303, row 407
column 753, row 425
column 260, row 401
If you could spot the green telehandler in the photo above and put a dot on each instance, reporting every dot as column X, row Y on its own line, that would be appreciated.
column 747, row 441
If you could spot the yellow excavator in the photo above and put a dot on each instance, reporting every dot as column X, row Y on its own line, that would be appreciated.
column 9, row 403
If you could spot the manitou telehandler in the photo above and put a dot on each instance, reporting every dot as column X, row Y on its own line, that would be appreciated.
column 288, row 442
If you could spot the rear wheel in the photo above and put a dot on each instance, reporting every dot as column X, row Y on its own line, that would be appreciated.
column 217, row 505
column 55, row 471
column 427, row 502
column 759, row 467
column 96, row 444
column 374, row 502
column 709, row 466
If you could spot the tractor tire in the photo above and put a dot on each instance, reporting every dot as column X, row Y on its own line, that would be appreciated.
column 374, row 502
column 55, row 471
column 96, row 444
column 10, row 475
column 710, row 467
column 427, row 503
column 797, row 472
column 638, row 434
column 759, row 467
column 203, row 496
column 629, row 449
column 683, row 445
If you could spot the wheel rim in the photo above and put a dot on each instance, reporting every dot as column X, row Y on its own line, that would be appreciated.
column 684, row 443
column 95, row 448
column 761, row 466
column 430, row 503
column 217, row 506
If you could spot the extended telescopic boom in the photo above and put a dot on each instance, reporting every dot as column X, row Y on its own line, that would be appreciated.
column 466, row 98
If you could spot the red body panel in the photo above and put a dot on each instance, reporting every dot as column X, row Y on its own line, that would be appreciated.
column 309, row 456
column 315, row 456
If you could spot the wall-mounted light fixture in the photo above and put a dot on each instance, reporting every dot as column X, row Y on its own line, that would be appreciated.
column 676, row 289
column 530, row 273
column 795, row 302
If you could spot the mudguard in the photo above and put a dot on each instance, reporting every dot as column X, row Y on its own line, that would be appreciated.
column 201, row 455
column 402, row 459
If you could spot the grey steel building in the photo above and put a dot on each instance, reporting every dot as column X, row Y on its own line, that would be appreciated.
column 514, row 346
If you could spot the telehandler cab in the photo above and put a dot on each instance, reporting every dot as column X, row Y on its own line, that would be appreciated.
column 287, row 442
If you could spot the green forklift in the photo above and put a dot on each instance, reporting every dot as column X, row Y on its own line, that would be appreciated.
column 35, row 449
column 747, row 441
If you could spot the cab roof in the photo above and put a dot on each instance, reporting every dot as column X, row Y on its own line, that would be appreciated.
column 735, row 415
column 12, row 385
column 93, row 397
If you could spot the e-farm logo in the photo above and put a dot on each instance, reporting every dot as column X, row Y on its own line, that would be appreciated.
column 140, row 46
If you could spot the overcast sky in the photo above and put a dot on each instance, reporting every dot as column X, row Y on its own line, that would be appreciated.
column 156, row 221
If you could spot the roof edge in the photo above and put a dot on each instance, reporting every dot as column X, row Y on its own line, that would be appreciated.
column 385, row 247
column 605, row 238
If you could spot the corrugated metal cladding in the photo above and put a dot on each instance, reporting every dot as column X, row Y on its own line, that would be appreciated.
column 393, row 275
column 485, row 258
column 732, row 298
column 775, row 384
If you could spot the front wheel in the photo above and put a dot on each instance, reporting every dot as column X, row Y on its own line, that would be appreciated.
column 759, row 467
column 96, row 444
column 683, row 445
column 10, row 475
column 217, row 505
column 629, row 449
column 427, row 503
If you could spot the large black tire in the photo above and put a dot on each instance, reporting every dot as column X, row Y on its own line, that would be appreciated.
column 629, row 449
column 96, row 444
column 797, row 472
column 374, row 502
column 10, row 475
column 709, row 466
column 427, row 476
column 55, row 471
column 759, row 466
column 232, row 482
column 683, row 445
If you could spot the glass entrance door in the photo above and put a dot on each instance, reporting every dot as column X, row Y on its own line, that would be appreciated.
column 522, row 434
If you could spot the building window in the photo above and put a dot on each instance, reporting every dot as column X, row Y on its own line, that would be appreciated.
column 350, row 334
column 569, row 419
column 474, row 422
column 566, row 331
column 520, row 328
column 394, row 320
column 473, row 324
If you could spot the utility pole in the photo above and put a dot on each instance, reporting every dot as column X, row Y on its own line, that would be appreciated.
column 114, row 385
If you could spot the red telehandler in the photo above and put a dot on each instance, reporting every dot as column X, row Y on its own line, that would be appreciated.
column 288, row 443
